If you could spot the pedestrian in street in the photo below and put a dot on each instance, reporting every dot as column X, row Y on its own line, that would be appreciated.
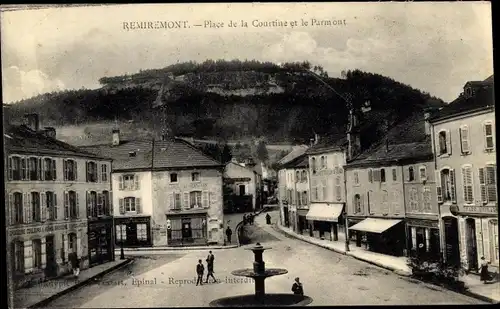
column 485, row 274
column 210, row 266
column 297, row 288
column 75, row 264
column 200, row 269
column 229, row 232
column 252, row 217
column 268, row 219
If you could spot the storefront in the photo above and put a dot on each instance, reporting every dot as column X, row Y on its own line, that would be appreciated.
column 100, row 241
column 187, row 229
column 133, row 231
column 325, row 220
column 386, row 236
column 423, row 239
column 356, row 237
column 302, row 226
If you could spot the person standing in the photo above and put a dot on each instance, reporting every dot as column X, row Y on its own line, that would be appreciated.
column 297, row 288
column 485, row 274
column 199, row 272
column 268, row 219
column 75, row 264
column 210, row 266
column 229, row 232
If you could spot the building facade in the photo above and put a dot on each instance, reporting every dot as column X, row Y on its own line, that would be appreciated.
column 464, row 146
column 48, row 205
column 245, row 184
column 167, row 193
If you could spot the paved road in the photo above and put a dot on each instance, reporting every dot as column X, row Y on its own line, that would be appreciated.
column 328, row 277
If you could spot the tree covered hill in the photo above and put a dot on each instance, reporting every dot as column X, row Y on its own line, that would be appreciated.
column 229, row 100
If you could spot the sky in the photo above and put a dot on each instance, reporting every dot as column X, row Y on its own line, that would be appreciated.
column 435, row 47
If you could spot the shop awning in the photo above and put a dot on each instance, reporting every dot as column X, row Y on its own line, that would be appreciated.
column 374, row 225
column 324, row 212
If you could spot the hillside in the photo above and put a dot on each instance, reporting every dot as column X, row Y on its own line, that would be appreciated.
column 224, row 100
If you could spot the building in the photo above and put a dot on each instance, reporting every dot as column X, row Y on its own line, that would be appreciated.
column 465, row 159
column 245, row 184
column 51, row 189
column 327, row 188
column 391, row 182
column 166, row 192
column 299, row 196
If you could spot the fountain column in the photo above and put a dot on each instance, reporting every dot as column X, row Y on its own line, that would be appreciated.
column 260, row 269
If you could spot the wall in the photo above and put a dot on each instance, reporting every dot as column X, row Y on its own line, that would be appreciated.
column 395, row 200
column 233, row 170
column 419, row 184
column 335, row 162
column 144, row 192
column 210, row 180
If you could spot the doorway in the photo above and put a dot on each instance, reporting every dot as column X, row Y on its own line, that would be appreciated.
column 132, row 234
column 242, row 190
column 51, row 268
column 452, row 251
column 285, row 216
column 471, row 243
column 187, row 232
column 420, row 242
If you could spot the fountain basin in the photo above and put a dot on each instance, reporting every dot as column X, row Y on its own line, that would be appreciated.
column 249, row 272
column 269, row 300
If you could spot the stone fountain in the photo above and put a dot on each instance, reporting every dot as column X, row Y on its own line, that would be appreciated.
column 259, row 274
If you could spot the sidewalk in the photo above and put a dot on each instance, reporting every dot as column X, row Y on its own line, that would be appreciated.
column 44, row 292
column 476, row 289
column 166, row 248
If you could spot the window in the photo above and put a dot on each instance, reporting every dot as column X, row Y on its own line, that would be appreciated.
column 338, row 188
column 394, row 175
column 370, row 176
column 357, row 203
column 142, row 232
column 173, row 177
column 195, row 199
column 18, row 256
column 176, row 201
column 91, row 172
column 411, row 174
column 100, row 205
column 315, row 190
column 129, row 182
column 489, row 140
column 130, row 205
column 49, row 169
column 464, row 139
column 494, row 241
column 446, row 191
column 382, row 175
column 70, row 170
column 15, row 168
column 487, row 179
column 385, row 202
column 323, row 162
column 106, row 203
column 195, row 176
column 34, row 167
column 324, row 193
column 104, row 172
column 121, row 232
column 37, row 253
column 313, row 165
column 413, row 199
column 427, row 199
column 72, row 244
column 297, row 176
column 376, row 176
column 422, row 173
column 73, row 203
column 16, row 207
column 304, row 176
column 35, row 207
column 51, row 204
column 24, row 169
column 356, row 178
column 467, row 183
column 369, row 195
column 443, row 143
column 304, row 198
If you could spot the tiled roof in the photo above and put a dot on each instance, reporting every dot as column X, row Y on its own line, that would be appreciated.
column 299, row 162
column 298, row 151
column 482, row 98
column 24, row 140
column 173, row 153
column 328, row 143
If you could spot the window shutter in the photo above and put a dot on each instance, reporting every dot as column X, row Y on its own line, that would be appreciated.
column 11, row 168
column 204, row 202
column 185, row 202
column 479, row 237
column 30, row 208
column 171, row 200
column 43, row 207
column 463, row 242
column 53, row 170
column 413, row 232
column 89, row 204
column 122, row 206
column 121, row 182
column 486, row 241
column 12, row 210
column 75, row 170
column 138, row 206
column 65, row 246
column 439, row 189
column 66, row 205
column 464, row 184
column 39, row 172
column 136, row 182
column 65, row 169
column 482, row 185
column 464, row 139
column 370, row 176
column 453, row 191
column 77, row 204
column 87, row 171
column 98, row 171
column 448, row 142
column 491, row 182
column 55, row 207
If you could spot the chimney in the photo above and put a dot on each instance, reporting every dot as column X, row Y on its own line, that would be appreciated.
column 32, row 121
column 316, row 138
column 49, row 132
column 427, row 124
column 353, row 138
column 116, row 137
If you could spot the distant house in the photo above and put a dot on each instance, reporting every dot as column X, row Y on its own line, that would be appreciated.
column 245, row 182
column 165, row 193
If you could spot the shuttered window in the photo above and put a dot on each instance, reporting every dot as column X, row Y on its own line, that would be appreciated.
column 422, row 171
column 467, row 184
column 464, row 139
column 370, row 176
column 385, row 202
column 15, row 168
column 489, row 139
column 427, row 199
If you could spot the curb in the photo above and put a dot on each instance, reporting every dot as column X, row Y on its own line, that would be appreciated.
column 175, row 248
column 79, row 284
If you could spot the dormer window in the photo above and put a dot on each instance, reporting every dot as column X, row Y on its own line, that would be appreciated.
column 469, row 92
column 132, row 154
column 173, row 177
column 195, row 176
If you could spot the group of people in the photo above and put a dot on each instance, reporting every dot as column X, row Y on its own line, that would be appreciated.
column 200, row 269
column 248, row 219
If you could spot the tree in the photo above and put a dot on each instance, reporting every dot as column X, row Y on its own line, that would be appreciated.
column 226, row 154
column 262, row 153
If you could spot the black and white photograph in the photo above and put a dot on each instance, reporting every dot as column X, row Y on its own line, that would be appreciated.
column 249, row 154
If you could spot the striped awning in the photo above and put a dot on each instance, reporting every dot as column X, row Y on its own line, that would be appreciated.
column 324, row 212
column 374, row 225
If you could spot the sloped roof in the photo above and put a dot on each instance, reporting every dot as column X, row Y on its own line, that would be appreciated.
column 328, row 143
column 22, row 139
column 298, row 151
column 172, row 153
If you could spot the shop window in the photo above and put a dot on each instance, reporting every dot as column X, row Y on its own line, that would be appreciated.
column 18, row 254
column 142, row 232
column 121, row 232
column 37, row 253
